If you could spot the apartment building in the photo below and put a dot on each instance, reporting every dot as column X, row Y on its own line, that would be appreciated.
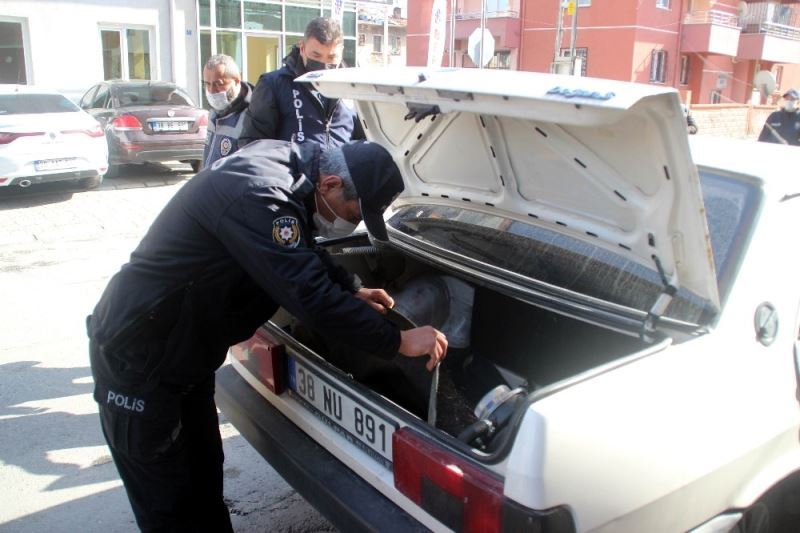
column 710, row 50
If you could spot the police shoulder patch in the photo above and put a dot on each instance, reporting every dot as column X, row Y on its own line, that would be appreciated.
column 286, row 231
column 225, row 146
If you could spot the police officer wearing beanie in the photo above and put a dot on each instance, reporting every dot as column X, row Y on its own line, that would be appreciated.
column 783, row 126
column 231, row 247
column 284, row 109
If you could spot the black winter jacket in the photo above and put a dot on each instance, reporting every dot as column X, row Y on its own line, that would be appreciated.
column 782, row 127
column 282, row 108
column 229, row 248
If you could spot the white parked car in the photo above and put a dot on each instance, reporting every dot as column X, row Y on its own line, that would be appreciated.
column 45, row 138
column 622, row 311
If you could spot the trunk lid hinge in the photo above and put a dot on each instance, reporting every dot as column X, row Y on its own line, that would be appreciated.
column 663, row 300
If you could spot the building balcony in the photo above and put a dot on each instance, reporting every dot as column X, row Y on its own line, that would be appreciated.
column 710, row 32
column 770, row 32
column 505, row 27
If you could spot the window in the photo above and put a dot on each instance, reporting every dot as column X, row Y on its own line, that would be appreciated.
column 12, row 54
column 100, row 99
column 500, row 60
column 582, row 53
column 23, row 104
column 297, row 18
column 262, row 16
column 716, row 97
column 584, row 3
column 658, row 66
column 126, row 53
column 395, row 44
column 663, row 4
column 229, row 13
column 377, row 44
column 684, row 70
column 362, row 39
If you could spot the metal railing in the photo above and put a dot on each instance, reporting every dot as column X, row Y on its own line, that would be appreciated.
column 772, row 19
column 712, row 16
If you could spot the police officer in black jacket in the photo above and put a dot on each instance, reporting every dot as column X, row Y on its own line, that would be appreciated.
column 282, row 108
column 783, row 126
column 232, row 245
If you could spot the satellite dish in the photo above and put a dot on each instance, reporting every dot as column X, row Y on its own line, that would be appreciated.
column 765, row 82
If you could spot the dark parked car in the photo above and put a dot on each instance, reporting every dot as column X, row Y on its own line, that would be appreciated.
column 148, row 121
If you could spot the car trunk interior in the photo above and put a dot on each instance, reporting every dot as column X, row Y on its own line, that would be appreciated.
column 500, row 348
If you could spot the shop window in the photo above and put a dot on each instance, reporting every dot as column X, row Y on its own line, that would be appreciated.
column 12, row 54
column 229, row 13
column 126, row 53
column 684, row 70
column 262, row 16
column 297, row 18
column 658, row 66
column 230, row 43
column 204, row 12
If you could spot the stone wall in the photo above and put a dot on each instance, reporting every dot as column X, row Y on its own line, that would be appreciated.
column 742, row 121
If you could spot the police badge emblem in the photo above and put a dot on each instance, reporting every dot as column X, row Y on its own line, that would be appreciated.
column 286, row 232
column 225, row 146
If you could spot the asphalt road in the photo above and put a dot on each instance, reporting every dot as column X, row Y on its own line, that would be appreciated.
column 58, row 247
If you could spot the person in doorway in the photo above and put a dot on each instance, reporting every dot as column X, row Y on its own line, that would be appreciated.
column 228, row 97
column 783, row 126
column 284, row 109
column 230, row 248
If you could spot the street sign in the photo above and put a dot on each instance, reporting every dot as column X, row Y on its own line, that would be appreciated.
column 474, row 46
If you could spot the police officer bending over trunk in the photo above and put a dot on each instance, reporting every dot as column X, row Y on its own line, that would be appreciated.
column 232, row 245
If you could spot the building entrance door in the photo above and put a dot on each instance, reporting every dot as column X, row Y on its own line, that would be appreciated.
column 263, row 55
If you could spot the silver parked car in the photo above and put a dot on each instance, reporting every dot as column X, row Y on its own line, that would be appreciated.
column 622, row 310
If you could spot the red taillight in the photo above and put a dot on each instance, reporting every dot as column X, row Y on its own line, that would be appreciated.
column 456, row 492
column 126, row 122
column 96, row 131
column 265, row 358
column 203, row 120
column 8, row 136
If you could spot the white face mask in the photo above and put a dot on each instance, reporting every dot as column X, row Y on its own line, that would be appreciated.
column 790, row 106
column 331, row 230
column 223, row 99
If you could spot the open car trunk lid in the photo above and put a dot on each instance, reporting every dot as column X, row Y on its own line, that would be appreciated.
column 607, row 166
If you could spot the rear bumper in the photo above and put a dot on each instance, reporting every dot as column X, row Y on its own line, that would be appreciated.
column 345, row 499
column 37, row 179
column 156, row 155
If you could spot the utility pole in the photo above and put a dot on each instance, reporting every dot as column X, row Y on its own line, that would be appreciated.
column 559, row 36
column 483, row 30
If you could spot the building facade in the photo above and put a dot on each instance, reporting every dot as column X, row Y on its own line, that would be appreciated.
column 72, row 45
column 710, row 50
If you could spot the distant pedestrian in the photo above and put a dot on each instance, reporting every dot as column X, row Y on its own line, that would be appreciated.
column 783, row 126
column 229, row 97
column 285, row 110
column 691, row 124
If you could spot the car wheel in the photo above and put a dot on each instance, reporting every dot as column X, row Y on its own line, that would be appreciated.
column 113, row 171
column 91, row 183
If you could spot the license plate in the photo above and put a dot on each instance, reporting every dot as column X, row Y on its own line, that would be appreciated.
column 171, row 125
column 54, row 164
column 346, row 414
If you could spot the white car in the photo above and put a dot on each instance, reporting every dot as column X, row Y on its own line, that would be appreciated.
column 622, row 313
column 45, row 138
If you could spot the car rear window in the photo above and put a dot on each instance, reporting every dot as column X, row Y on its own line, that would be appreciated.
column 22, row 104
column 133, row 95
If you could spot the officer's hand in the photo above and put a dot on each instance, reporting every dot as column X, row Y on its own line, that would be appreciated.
column 424, row 341
column 378, row 299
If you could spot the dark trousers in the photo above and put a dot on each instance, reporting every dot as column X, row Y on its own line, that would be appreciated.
column 171, row 462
